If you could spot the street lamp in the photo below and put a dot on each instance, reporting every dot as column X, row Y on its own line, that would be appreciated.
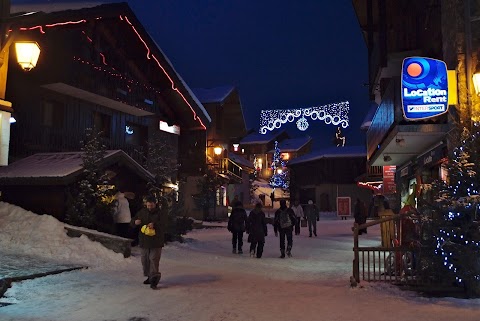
column 218, row 150
column 27, row 54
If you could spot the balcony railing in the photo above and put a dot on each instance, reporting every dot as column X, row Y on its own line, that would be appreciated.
column 375, row 171
column 114, row 85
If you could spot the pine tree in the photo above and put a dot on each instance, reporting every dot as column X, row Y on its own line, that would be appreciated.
column 87, row 196
column 161, row 162
column 280, row 176
column 453, row 232
column 207, row 188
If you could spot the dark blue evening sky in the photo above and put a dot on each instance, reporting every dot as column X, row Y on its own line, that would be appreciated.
column 280, row 54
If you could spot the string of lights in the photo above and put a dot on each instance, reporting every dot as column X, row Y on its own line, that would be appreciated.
column 334, row 114
column 149, row 55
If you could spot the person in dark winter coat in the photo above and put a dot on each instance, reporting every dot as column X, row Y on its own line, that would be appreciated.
column 360, row 215
column 153, row 223
column 257, row 230
column 283, row 223
column 236, row 225
column 311, row 214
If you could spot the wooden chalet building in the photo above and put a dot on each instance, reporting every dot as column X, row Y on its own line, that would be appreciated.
column 99, row 68
column 223, row 137
column 256, row 145
column 417, row 147
column 326, row 174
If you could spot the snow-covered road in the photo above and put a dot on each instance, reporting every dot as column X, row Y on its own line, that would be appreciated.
column 203, row 280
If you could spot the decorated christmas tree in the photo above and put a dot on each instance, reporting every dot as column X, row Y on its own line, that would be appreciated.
column 453, row 230
column 280, row 176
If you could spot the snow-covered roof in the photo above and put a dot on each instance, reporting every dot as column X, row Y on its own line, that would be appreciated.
column 190, row 92
column 240, row 160
column 257, row 138
column 213, row 95
column 60, row 167
column 332, row 152
column 369, row 117
column 292, row 144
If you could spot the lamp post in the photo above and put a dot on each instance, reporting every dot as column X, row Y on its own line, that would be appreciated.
column 27, row 53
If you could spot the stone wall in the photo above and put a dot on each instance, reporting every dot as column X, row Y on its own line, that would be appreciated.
column 112, row 242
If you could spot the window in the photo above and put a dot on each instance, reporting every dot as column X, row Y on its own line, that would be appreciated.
column 102, row 123
column 53, row 114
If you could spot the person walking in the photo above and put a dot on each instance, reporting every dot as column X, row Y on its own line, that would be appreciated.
column 360, row 215
column 257, row 230
column 236, row 225
column 311, row 213
column 298, row 210
column 283, row 223
column 122, row 216
column 153, row 223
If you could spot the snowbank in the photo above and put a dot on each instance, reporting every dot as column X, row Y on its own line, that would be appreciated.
column 24, row 232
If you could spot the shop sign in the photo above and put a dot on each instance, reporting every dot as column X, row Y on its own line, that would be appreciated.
column 389, row 186
column 405, row 171
column 344, row 206
column 432, row 157
column 424, row 88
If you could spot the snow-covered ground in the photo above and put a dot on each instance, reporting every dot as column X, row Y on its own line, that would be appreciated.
column 202, row 280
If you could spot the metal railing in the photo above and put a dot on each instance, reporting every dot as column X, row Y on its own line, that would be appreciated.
column 392, row 264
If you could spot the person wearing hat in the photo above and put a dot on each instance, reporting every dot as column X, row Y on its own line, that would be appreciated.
column 311, row 213
column 153, row 226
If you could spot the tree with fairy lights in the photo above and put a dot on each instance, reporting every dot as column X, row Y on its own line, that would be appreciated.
column 279, row 168
column 453, row 229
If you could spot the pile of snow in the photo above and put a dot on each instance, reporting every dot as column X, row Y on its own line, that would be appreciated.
column 24, row 232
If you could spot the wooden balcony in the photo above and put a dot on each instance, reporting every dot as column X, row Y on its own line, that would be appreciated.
column 108, row 88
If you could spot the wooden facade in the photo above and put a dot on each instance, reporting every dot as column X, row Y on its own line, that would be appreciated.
column 322, row 179
column 99, row 68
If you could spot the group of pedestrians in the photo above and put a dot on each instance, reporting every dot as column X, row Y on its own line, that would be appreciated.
column 286, row 220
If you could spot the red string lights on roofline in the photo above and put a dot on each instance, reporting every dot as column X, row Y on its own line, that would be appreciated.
column 195, row 117
column 124, row 18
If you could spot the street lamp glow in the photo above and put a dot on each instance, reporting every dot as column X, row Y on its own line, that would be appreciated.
column 27, row 54
column 476, row 82
column 218, row 150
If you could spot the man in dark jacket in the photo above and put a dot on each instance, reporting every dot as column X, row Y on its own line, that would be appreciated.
column 283, row 222
column 311, row 213
column 257, row 230
column 153, row 226
column 236, row 225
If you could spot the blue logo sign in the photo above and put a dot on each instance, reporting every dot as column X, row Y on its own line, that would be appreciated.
column 424, row 88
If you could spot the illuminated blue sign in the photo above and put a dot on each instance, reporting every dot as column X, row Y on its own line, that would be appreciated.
column 424, row 88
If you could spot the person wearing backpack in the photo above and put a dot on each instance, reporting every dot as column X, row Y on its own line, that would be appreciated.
column 283, row 223
column 236, row 225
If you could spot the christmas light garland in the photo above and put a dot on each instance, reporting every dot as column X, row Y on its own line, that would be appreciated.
column 335, row 114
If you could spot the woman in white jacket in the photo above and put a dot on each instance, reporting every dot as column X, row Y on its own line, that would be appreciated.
column 122, row 216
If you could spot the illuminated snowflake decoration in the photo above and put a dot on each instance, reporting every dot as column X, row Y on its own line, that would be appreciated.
column 302, row 124
column 334, row 114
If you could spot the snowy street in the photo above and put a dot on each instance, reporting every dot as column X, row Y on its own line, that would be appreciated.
column 203, row 280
